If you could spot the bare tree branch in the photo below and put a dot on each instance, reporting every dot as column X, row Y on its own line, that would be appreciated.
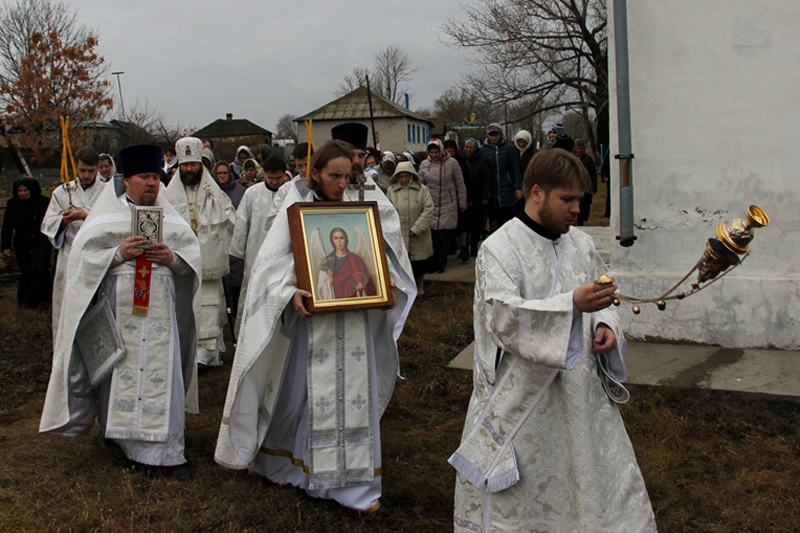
column 459, row 103
column 287, row 127
column 392, row 71
column 168, row 134
column 393, row 68
column 351, row 82
column 553, row 52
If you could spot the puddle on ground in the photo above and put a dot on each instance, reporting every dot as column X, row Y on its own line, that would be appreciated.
column 694, row 375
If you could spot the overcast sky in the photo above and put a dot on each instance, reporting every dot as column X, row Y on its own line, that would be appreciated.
column 196, row 61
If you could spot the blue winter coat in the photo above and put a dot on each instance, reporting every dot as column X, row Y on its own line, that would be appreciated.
column 506, row 179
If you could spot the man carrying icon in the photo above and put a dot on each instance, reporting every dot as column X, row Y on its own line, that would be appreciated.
column 307, row 390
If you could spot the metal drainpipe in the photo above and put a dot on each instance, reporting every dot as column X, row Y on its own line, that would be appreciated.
column 625, row 155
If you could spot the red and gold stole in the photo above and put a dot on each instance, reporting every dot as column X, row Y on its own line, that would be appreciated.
column 141, row 288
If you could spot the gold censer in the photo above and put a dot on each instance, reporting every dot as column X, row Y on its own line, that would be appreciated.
column 722, row 255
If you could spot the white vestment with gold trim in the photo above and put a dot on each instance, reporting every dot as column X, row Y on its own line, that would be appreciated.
column 211, row 214
column 306, row 395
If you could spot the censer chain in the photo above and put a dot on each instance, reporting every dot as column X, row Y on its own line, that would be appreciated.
column 666, row 295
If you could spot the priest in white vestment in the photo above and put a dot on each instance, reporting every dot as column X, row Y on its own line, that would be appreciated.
column 198, row 199
column 63, row 219
column 125, row 351
column 307, row 391
column 252, row 221
column 544, row 448
column 350, row 132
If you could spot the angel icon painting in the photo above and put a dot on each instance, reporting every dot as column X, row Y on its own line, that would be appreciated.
column 340, row 256
column 342, row 273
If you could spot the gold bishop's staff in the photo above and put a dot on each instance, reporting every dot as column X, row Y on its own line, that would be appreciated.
column 723, row 252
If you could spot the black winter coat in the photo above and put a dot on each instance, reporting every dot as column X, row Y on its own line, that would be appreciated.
column 477, row 177
column 22, row 224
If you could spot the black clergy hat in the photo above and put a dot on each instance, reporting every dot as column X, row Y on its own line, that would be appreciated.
column 141, row 159
column 351, row 132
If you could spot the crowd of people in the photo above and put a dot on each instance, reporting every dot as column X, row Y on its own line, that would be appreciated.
column 136, row 318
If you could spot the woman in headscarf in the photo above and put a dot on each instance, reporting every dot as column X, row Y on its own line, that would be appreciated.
column 106, row 167
column 412, row 158
column 415, row 207
column 170, row 161
column 525, row 152
column 523, row 142
column 386, row 170
column 208, row 160
column 21, row 235
column 252, row 173
column 441, row 174
column 371, row 161
column 243, row 153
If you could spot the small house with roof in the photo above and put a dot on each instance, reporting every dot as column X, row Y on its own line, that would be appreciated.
column 397, row 128
column 230, row 133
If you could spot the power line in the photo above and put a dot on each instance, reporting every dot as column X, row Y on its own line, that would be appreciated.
column 226, row 76
column 235, row 54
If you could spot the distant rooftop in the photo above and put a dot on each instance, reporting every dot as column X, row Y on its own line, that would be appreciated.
column 230, row 127
column 355, row 105
column 462, row 124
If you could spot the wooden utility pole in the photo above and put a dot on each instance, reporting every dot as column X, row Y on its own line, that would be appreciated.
column 371, row 116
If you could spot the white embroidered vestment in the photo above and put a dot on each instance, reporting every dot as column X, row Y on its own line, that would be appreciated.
column 544, row 449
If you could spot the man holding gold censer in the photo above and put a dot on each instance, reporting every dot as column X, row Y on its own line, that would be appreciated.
column 544, row 447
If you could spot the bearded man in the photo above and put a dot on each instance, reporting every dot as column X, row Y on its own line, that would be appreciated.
column 354, row 134
column 544, row 447
column 198, row 199
column 125, row 350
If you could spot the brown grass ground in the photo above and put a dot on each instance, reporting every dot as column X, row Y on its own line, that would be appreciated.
column 713, row 463
column 597, row 212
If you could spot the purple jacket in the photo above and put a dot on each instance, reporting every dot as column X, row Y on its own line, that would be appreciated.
column 446, row 185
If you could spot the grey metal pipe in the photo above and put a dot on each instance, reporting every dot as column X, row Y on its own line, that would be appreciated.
column 625, row 155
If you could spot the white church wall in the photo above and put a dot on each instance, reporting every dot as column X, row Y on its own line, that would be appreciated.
column 392, row 132
column 715, row 128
